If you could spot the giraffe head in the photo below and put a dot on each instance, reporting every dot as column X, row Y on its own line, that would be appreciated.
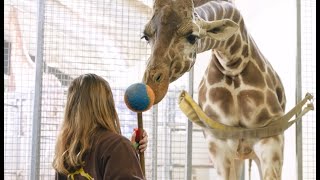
column 174, row 32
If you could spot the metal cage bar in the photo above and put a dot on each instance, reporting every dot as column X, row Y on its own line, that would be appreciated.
column 36, row 127
column 298, row 94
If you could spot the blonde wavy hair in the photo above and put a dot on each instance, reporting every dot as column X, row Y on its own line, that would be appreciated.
column 89, row 107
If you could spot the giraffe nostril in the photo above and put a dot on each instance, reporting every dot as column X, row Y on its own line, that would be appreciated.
column 157, row 77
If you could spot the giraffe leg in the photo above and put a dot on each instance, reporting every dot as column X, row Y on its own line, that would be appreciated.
column 227, row 167
column 236, row 169
column 269, row 152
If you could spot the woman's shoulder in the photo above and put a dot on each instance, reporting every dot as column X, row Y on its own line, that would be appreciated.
column 116, row 158
column 106, row 136
column 110, row 140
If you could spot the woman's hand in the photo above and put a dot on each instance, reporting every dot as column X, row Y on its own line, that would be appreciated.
column 143, row 143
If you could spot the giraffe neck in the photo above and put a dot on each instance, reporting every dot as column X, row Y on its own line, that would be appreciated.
column 231, row 54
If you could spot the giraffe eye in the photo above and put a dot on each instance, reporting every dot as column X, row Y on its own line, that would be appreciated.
column 145, row 37
column 192, row 38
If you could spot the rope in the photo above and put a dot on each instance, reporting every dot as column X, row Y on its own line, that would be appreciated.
column 276, row 126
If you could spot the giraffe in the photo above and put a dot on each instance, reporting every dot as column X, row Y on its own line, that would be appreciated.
column 239, row 87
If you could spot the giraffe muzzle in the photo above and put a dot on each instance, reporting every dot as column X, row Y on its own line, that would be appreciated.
column 158, row 80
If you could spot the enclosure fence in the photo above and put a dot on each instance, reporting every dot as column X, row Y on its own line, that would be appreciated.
column 104, row 37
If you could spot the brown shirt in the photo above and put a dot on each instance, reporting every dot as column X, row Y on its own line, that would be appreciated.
column 112, row 157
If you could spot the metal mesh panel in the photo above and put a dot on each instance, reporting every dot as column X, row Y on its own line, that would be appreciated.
column 19, row 76
column 103, row 37
column 308, row 80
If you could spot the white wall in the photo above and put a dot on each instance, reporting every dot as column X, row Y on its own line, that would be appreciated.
column 272, row 24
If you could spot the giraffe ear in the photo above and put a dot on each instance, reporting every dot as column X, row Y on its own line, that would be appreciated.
column 219, row 29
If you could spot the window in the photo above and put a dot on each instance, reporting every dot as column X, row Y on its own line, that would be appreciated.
column 6, row 58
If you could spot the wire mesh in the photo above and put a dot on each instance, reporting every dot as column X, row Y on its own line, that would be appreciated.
column 308, row 81
column 103, row 37
column 19, row 42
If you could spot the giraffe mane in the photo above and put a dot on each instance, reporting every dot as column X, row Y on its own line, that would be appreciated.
column 201, row 2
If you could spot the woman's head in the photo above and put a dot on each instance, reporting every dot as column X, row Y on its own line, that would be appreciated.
column 90, row 106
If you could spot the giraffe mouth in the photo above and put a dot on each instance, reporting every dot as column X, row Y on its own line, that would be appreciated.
column 160, row 90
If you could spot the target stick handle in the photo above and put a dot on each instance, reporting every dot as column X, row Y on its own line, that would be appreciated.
column 141, row 154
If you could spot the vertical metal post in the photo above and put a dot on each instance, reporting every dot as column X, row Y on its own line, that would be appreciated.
column 298, row 95
column 188, row 167
column 167, row 146
column 243, row 173
column 154, row 142
column 35, row 152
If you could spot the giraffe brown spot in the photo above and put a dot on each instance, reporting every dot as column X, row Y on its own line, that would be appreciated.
column 210, row 113
column 273, row 103
column 230, row 40
column 227, row 162
column 185, row 13
column 236, row 82
column 204, row 10
column 277, row 77
column 236, row 45
column 252, row 76
column 180, row 47
column 283, row 106
column 213, row 148
column 202, row 93
column 218, row 10
column 227, row 171
column 177, row 67
column 228, row 80
column 265, row 140
column 217, row 43
column 235, row 63
column 255, row 54
column 228, row 10
column 276, row 157
column 172, row 54
column 248, row 100
column 244, row 32
column 263, row 116
column 186, row 67
column 279, row 94
column 164, row 18
column 269, row 82
column 245, row 52
column 236, row 16
column 271, row 74
column 224, row 97
column 214, row 75
column 243, row 149
column 261, row 65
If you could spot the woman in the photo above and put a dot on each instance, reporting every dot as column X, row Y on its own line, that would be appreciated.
column 90, row 144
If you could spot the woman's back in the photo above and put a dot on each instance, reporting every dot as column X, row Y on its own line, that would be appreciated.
column 111, row 157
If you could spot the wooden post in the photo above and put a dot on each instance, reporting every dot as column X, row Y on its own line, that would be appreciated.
column 141, row 154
